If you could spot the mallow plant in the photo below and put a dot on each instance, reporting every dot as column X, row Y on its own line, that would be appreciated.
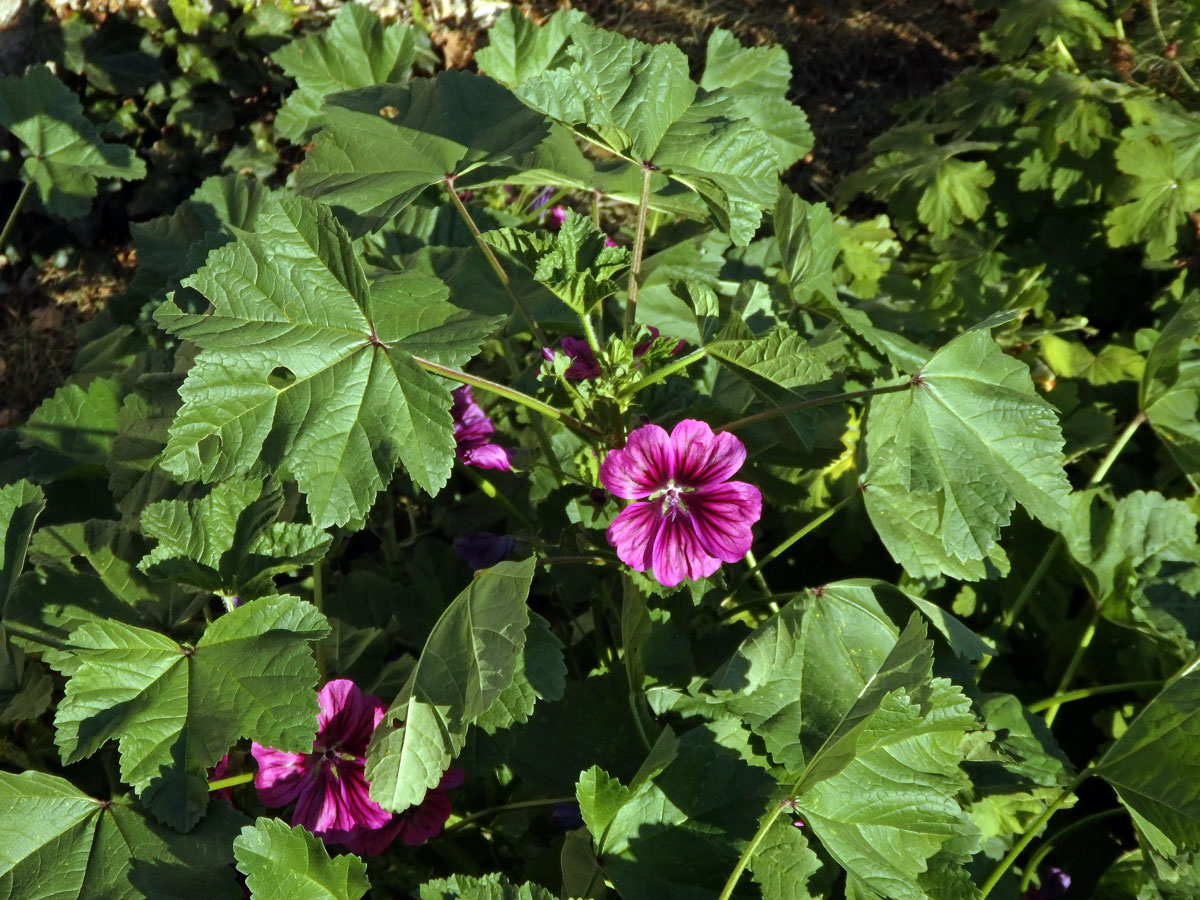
column 535, row 497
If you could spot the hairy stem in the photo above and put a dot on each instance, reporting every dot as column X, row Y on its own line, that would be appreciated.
column 512, row 394
column 639, row 244
column 318, row 594
column 670, row 369
column 496, row 810
column 815, row 402
column 483, row 245
column 12, row 216
column 231, row 781
column 1152, row 5
column 1097, row 691
column 1030, row 833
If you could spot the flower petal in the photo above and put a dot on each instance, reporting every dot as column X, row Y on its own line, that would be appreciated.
column 632, row 533
column 347, row 717
column 722, row 516
column 677, row 553
column 642, row 467
column 280, row 776
column 702, row 458
column 486, row 456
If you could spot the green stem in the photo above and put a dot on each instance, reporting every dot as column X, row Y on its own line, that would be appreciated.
column 1047, row 845
column 1162, row 37
column 1097, row 691
column 589, row 332
column 802, row 532
column 775, row 599
column 1115, row 450
column 755, row 572
column 318, row 596
column 12, row 216
column 639, row 244
column 670, row 369
column 1085, row 641
column 752, row 848
column 1030, row 833
column 550, row 201
column 493, row 493
column 496, row 810
column 483, row 245
column 231, row 781
column 512, row 394
column 815, row 402
column 576, row 558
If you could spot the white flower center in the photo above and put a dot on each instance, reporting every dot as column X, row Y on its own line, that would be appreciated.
column 672, row 500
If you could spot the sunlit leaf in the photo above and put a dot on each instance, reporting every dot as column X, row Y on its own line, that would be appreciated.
column 288, row 863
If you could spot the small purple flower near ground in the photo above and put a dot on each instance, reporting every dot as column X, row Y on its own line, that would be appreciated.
column 566, row 816
column 688, row 518
column 473, row 432
column 328, row 785
column 481, row 549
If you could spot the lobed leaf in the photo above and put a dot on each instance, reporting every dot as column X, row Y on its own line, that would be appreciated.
column 304, row 362
column 176, row 710
column 289, row 863
column 67, row 152
column 57, row 843
column 951, row 457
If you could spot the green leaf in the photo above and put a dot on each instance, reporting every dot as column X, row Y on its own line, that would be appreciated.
column 72, row 431
column 1152, row 765
column 177, row 710
column 573, row 262
column 383, row 145
column 1170, row 390
column 951, row 457
column 61, row 844
column 893, row 807
column 24, row 686
column 926, row 178
column 784, row 865
column 795, row 677
column 20, row 505
column 67, row 152
column 468, row 660
column 173, row 246
column 228, row 542
column 1140, row 562
column 540, row 675
column 759, row 77
column 518, row 49
column 493, row 886
column 637, row 100
column 1155, row 198
column 674, row 831
column 289, row 863
column 87, row 572
column 304, row 362
column 781, row 356
column 356, row 50
column 1021, row 22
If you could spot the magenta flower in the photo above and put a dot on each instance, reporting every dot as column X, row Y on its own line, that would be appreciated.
column 328, row 785
column 689, row 519
column 473, row 431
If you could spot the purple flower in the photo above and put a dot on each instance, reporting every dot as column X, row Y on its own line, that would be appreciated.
column 1054, row 883
column 481, row 549
column 328, row 785
column 472, row 434
column 689, row 519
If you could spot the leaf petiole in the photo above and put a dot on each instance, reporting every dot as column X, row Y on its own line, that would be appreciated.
column 232, row 781
column 1097, row 691
column 815, row 402
column 12, row 216
column 512, row 394
column 681, row 363
column 639, row 244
